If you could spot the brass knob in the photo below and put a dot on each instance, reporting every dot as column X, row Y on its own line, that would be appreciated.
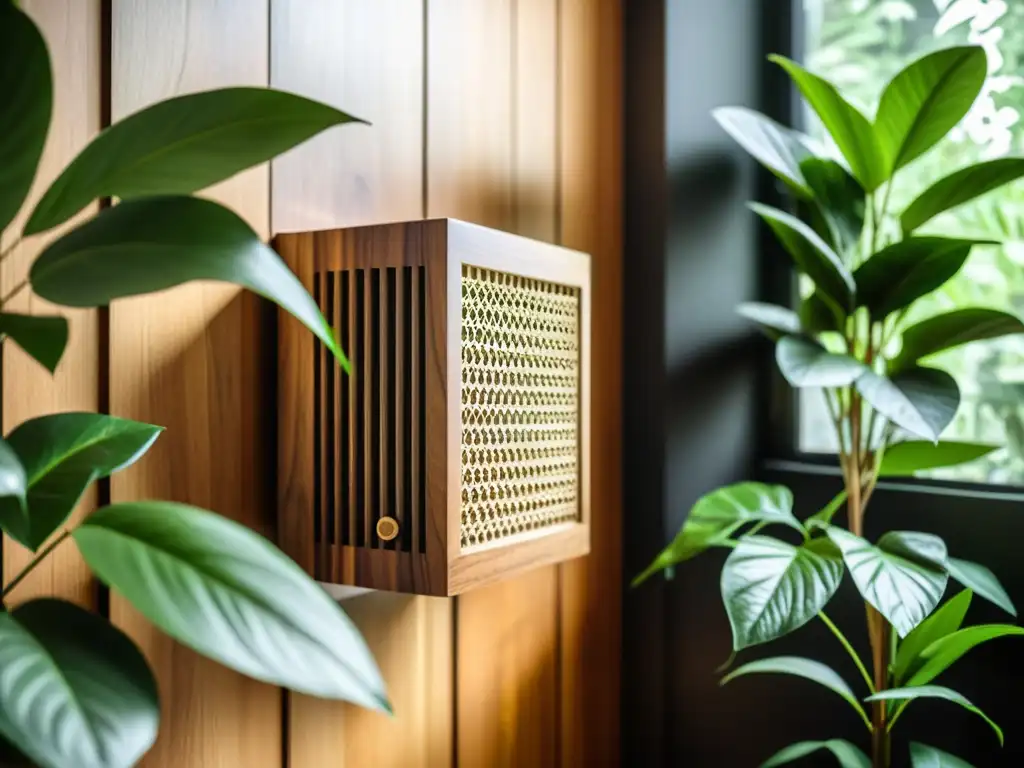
column 387, row 528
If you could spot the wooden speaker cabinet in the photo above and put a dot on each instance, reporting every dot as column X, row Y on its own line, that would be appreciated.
column 457, row 452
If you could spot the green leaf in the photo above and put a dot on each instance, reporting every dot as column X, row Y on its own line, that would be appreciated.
column 26, row 92
column 840, row 199
column 43, row 338
column 943, row 622
column 903, row 272
column 923, row 756
column 181, row 145
column 806, row 363
column 13, row 481
column 228, row 593
column 926, row 100
column 961, row 326
column 771, row 588
column 984, row 583
column 851, row 131
column 62, row 454
column 777, row 148
column 934, row 692
column 774, row 320
column 903, row 576
column 846, row 753
column 718, row 514
column 960, row 187
column 75, row 691
column 150, row 244
column 941, row 654
column 823, row 517
column 817, row 316
column 912, row 456
column 922, row 401
column 808, row 669
column 812, row 255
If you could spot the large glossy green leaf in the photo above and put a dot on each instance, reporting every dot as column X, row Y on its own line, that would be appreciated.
column 926, row 100
column 74, row 690
column 231, row 595
column 13, row 480
column 912, row 456
column 62, row 454
column 812, row 255
column 777, row 148
column 934, row 692
column 809, row 669
column 851, row 131
column 771, row 588
column 840, row 199
column 949, row 330
column 903, row 576
column 26, row 93
column 943, row 622
column 846, row 753
column 922, row 401
column 774, row 320
column 42, row 337
column 960, row 187
column 923, row 756
column 984, row 583
column 941, row 654
column 718, row 514
column 153, row 243
column 806, row 363
column 903, row 272
column 181, row 145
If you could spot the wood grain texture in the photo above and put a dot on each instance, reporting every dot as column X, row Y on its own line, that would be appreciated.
column 72, row 32
column 190, row 359
column 590, row 190
column 368, row 59
column 485, row 165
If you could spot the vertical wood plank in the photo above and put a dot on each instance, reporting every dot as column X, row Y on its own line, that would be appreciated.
column 469, row 115
column 493, row 160
column 591, row 188
column 72, row 32
column 190, row 359
column 367, row 59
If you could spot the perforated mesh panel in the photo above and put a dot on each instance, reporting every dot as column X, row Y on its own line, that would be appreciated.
column 520, row 405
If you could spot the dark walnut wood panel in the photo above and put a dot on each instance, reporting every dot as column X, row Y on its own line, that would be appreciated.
column 339, row 469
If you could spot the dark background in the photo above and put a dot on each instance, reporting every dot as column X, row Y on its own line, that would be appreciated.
column 703, row 408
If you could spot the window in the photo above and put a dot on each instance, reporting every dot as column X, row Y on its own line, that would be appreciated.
column 860, row 45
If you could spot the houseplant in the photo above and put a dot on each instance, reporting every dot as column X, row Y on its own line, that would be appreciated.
column 863, row 265
column 75, row 692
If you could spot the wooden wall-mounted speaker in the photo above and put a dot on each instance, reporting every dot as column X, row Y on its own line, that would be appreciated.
column 456, row 452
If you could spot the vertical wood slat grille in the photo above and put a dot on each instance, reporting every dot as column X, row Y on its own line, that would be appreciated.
column 369, row 443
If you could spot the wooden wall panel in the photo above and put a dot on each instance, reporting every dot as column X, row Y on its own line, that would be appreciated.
column 189, row 359
column 367, row 59
column 591, row 205
column 72, row 32
column 492, row 159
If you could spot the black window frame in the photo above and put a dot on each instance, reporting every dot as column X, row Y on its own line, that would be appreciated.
column 780, row 459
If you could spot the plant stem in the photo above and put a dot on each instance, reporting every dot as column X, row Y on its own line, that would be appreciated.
column 35, row 561
column 14, row 292
column 849, row 649
column 10, row 249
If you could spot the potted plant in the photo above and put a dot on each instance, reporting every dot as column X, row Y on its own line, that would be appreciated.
column 75, row 692
column 865, row 266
